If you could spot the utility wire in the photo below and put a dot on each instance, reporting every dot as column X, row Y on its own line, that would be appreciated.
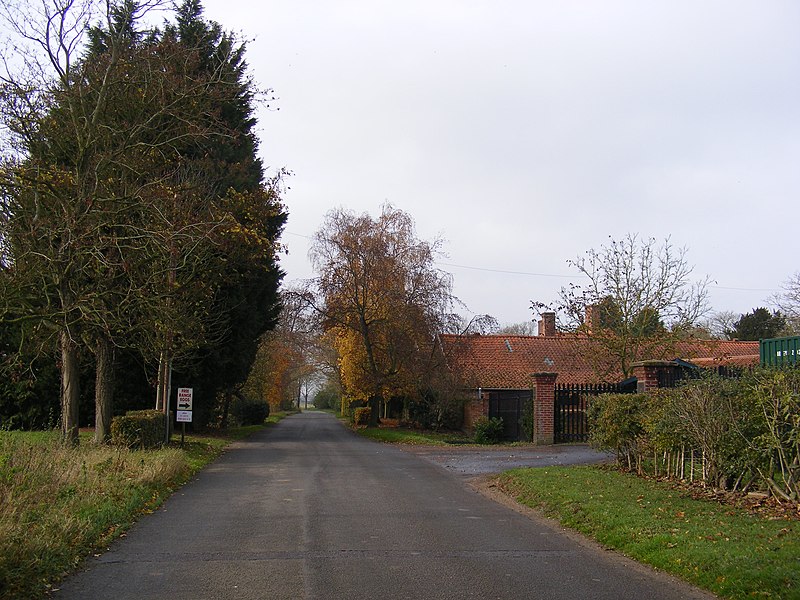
column 531, row 274
column 509, row 272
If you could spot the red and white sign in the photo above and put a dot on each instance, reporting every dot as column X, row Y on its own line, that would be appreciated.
column 183, row 414
column 185, row 398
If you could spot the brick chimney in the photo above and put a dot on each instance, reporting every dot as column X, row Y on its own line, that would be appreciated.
column 592, row 317
column 547, row 324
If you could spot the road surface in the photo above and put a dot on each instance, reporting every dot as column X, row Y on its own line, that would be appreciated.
column 309, row 510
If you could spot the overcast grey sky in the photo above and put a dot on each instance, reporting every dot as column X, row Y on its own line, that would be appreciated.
column 526, row 132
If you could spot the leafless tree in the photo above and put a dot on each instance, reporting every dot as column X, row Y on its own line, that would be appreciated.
column 524, row 328
column 721, row 324
column 788, row 303
column 641, row 299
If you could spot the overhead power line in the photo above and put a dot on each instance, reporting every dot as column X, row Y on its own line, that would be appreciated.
column 532, row 274
column 528, row 273
column 508, row 272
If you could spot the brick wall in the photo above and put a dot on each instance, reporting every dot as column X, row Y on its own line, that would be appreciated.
column 476, row 408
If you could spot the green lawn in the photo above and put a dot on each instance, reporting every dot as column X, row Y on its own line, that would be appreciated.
column 58, row 504
column 716, row 546
column 402, row 435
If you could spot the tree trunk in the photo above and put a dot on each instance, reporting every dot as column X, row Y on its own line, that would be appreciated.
column 163, row 389
column 103, row 390
column 161, row 383
column 70, row 389
column 374, row 413
column 226, row 408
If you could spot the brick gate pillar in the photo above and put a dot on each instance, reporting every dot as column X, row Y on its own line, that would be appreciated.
column 544, row 385
column 650, row 372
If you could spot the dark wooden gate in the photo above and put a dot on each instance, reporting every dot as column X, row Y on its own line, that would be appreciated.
column 510, row 405
column 571, row 401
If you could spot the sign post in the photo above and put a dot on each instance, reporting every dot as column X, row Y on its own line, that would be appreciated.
column 184, row 409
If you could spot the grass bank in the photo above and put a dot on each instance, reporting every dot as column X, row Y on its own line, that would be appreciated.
column 725, row 549
column 59, row 504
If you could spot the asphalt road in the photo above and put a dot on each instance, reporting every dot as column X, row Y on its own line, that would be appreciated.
column 309, row 510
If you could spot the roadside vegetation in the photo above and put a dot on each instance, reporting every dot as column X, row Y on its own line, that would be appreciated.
column 734, row 434
column 59, row 503
column 706, row 486
column 414, row 437
column 731, row 550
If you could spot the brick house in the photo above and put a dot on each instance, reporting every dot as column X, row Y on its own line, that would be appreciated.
column 504, row 373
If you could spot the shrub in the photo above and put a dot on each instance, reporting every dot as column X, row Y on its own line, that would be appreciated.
column 361, row 416
column 350, row 408
column 616, row 422
column 328, row 397
column 775, row 394
column 488, row 431
column 729, row 433
column 250, row 412
column 139, row 429
column 711, row 415
column 437, row 411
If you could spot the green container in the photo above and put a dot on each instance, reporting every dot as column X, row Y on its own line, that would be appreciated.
column 780, row 351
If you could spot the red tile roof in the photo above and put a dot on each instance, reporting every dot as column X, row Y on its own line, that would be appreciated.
column 507, row 361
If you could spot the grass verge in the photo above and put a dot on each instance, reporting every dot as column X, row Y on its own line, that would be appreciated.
column 58, row 504
column 721, row 548
column 401, row 435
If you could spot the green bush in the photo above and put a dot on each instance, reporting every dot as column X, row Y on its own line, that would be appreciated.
column 250, row 412
column 775, row 394
column 437, row 411
column 328, row 397
column 714, row 417
column 361, row 416
column 729, row 433
column 139, row 429
column 616, row 422
column 488, row 431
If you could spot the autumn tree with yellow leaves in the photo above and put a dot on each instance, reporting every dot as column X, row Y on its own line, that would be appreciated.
column 382, row 301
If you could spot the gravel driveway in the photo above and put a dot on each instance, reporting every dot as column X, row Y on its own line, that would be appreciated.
column 472, row 461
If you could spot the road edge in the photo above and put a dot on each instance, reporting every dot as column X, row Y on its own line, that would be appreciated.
column 487, row 486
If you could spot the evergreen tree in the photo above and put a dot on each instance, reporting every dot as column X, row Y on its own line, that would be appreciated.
column 248, row 293
column 138, row 215
column 758, row 324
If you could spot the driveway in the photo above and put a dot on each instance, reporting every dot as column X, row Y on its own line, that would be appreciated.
column 309, row 510
column 472, row 461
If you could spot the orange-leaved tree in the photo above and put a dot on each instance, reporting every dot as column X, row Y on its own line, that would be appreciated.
column 382, row 298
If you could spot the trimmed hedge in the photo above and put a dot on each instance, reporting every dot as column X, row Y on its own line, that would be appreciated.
column 362, row 415
column 733, row 434
column 139, row 429
column 250, row 412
